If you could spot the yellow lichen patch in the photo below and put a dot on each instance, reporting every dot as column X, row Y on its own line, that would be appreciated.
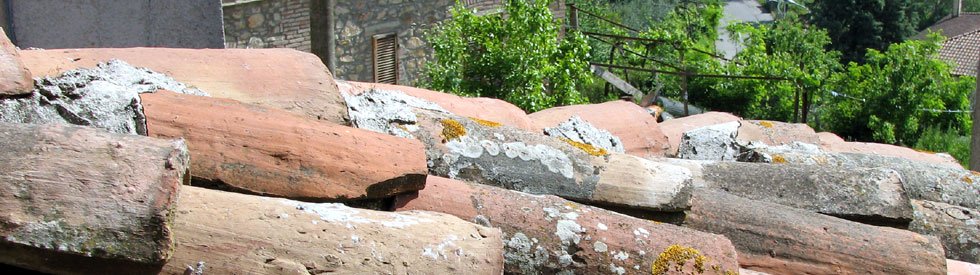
column 924, row 151
column 766, row 123
column 491, row 124
column 571, row 205
column 717, row 270
column 967, row 179
column 452, row 129
column 975, row 173
column 588, row 148
column 676, row 256
column 778, row 159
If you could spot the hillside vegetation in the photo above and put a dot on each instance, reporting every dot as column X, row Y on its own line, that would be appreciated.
column 805, row 67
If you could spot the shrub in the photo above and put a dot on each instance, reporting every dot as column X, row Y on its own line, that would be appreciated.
column 518, row 57
column 934, row 139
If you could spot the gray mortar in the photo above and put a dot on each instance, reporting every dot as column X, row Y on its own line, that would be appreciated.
column 501, row 156
column 715, row 142
column 554, row 254
column 518, row 251
column 922, row 180
column 957, row 227
column 519, row 164
column 105, row 97
column 579, row 130
column 554, row 160
column 387, row 112
column 760, row 152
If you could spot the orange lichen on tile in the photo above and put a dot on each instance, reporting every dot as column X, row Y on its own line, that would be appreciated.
column 676, row 256
column 778, row 159
column 452, row 129
column 588, row 148
column 491, row 124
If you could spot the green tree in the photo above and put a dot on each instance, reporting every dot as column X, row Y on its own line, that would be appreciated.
column 518, row 57
column 686, row 43
column 636, row 15
column 785, row 49
column 897, row 94
column 928, row 12
column 857, row 25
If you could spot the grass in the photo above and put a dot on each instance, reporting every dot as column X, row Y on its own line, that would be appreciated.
column 946, row 141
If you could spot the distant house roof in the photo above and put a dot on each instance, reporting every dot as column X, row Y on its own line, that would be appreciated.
column 962, row 44
column 964, row 50
column 954, row 26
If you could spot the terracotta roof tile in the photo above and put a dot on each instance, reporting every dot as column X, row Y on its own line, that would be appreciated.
column 954, row 26
column 964, row 51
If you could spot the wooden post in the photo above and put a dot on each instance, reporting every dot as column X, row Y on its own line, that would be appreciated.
column 684, row 75
column 806, row 104
column 626, row 73
column 975, row 143
column 572, row 16
column 796, row 102
column 323, row 35
column 612, row 60
column 687, row 112
column 802, row 92
column 331, row 37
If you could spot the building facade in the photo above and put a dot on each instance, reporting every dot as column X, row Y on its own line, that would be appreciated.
column 962, row 45
column 359, row 40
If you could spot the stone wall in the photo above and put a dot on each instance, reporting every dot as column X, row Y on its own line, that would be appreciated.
column 358, row 21
column 114, row 23
column 287, row 24
column 267, row 24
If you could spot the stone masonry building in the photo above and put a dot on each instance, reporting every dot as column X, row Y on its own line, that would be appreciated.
column 359, row 40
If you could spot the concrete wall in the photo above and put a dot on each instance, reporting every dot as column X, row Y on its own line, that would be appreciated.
column 117, row 23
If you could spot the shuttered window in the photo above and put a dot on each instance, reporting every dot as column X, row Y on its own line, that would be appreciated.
column 386, row 58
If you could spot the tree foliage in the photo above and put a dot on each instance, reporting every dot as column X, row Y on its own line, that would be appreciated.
column 893, row 96
column 928, row 12
column 517, row 57
column 898, row 93
column 857, row 25
column 688, row 34
column 786, row 50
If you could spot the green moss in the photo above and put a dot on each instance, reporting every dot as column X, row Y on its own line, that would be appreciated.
column 588, row 148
